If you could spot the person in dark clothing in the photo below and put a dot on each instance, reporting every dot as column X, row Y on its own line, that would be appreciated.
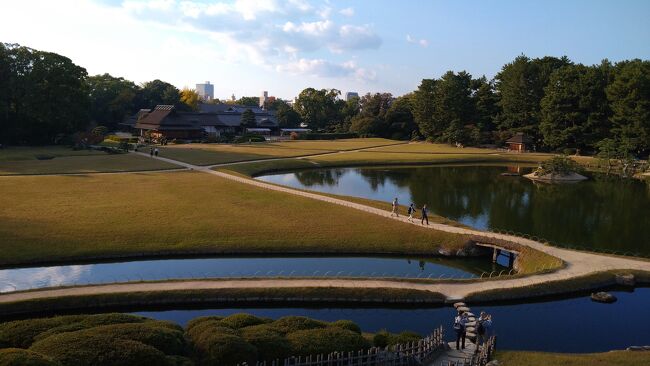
column 460, row 321
column 155, row 151
column 411, row 212
column 151, row 151
column 424, row 215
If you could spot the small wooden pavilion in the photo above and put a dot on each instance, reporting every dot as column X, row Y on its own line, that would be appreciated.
column 520, row 142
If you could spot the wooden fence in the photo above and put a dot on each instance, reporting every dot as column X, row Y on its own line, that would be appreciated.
column 486, row 353
column 412, row 353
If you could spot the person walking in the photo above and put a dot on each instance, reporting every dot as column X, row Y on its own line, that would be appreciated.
column 151, row 152
column 395, row 208
column 480, row 328
column 460, row 321
column 155, row 152
column 425, row 215
column 411, row 212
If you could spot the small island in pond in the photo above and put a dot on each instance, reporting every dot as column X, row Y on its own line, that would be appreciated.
column 559, row 169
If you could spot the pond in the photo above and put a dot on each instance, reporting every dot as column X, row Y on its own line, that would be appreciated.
column 603, row 213
column 162, row 269
column 575, row 325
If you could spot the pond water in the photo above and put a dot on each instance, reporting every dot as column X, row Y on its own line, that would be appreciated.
column 575, row 325
column 603, row 213
column 162, row 269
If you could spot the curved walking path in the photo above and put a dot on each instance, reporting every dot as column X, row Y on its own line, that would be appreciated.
column 576, row 263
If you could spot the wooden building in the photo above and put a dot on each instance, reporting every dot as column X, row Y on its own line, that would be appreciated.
column 519, row 142
column 165, row 122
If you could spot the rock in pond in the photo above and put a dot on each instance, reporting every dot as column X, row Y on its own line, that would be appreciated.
column 463, row 309
column 625, row 279
column 459, row 304
column 603, row 297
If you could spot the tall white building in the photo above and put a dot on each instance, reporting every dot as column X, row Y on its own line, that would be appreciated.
column 205, row 91
column 264, row 98
column 350, row 95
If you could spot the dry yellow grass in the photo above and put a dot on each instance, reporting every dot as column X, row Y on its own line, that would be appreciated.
column 614, row 358
column 93, row 163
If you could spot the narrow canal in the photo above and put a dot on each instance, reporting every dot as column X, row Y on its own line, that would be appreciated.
column 575, row 325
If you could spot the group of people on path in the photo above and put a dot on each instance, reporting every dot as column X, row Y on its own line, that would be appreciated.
column 483, row 328
column 153, row 152
column 411, row 211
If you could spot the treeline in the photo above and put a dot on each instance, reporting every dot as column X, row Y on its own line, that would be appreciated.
column 561, row 105
column 44, row 96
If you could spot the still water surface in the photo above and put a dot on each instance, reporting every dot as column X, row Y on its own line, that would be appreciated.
column 571, row 325
column 162, row 269
column 601, row 213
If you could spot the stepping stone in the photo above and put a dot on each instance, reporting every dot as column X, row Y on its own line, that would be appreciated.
column 470, row 329
column 462, row 308
column 470, row 314
column 459, row 304
column 470, row 335
column 471, row 324
column 604, row 297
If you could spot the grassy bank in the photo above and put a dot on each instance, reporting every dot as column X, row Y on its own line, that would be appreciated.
column 614, row 358
column 142, row 300
column 590, row 282
column 59, row 218
column 208, row 154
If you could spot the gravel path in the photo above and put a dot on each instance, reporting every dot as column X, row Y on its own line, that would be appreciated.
column 577, row 263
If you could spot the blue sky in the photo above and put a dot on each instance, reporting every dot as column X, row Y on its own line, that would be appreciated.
column 246, row 46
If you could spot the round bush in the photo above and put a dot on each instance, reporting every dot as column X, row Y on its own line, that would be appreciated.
column 225, row 350
column 270, row 343
column 73, row 327
column 241, row 320
column 81, row 349
column 196, row 321
column 199, row 332
column 289, row 324
column 323, row 341
column 346, row 324
column 381, row 338
column 178, row 361
column 23, row 357
column 21, row 333
column 168, row 341
column 111, row 318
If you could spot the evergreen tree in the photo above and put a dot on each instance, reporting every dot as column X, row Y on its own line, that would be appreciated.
column 248, row 119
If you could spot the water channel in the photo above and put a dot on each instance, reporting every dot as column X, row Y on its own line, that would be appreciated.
column 603, row 213
column 575, row 325
column 162, row 269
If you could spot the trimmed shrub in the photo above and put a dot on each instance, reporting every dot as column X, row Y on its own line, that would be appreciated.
column 224, row 350
column 241, row 320
column 23, row 357
column 249, row 138
column 404, row 337
column 73, row 327
column 327, row 136
column 203, row 330
column 289, row 324
column 111, row 318
column 178, row 361
column 171, row 342
column 346, row 324
column 317, row 341
column 201, row 319
column 270, row 343
column 381, row 338
column 81, row 349
column 21, row 333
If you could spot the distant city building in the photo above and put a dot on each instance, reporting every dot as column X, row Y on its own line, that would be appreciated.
column 264, row 98
column 350, row 95
column 205, row 91
column 233, row 98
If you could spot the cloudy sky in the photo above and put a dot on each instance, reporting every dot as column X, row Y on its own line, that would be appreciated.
column 246, row 46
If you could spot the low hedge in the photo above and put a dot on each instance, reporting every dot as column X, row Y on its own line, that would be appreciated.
column 384, row 338
column 325, row 340
column 196, row 321
column 23, row 357
column 269, row 342
column 224, row 350
column 346, row 324
column 242, row 320
column 289, row 324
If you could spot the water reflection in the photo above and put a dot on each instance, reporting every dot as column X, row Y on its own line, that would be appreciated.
column 603, row 213
column 26, row 278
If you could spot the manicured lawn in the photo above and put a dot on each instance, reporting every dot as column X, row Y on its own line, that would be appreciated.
column 12, row 153
column 614, row 358
column 92, row 163
column 428, row 148
column 58, row 218
column 207, row 154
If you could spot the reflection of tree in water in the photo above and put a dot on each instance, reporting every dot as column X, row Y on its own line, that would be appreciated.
column 379, row 177
column 329, row 177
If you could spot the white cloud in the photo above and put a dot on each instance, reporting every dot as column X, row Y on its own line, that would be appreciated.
column 327, row 69
column 348, row 12
column 421, row 42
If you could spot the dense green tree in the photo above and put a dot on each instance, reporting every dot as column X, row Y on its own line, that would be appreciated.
column 248, row 119
column 399, row 119
column 287, row 117
column 629, row 98
column 574, row 109
column 422, row 107
column 371, row 119
column 485, row 104
column 520, row 87
column 111, row 99
column 158, row 92
column 44, row 95
column 320, row 109
column 249, row 101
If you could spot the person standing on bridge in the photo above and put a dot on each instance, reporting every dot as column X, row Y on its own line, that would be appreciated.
column 395, row 208
column 425, row 215
column 460, row 321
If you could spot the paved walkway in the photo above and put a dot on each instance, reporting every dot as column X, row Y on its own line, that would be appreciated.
column 577, row 263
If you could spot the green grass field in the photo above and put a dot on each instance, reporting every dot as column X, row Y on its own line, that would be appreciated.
column 614, row 358
column 208, row 154
column 57, row 218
